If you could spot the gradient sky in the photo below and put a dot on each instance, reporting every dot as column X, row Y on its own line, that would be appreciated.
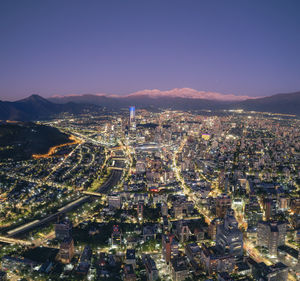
column 244, row 47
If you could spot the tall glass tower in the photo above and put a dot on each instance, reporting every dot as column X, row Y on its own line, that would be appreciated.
column 132, row 114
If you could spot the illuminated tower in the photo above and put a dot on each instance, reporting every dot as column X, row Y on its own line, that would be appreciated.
column 132, row 117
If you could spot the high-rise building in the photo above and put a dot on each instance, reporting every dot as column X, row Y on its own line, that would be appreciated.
column 271, row 235
column 169, row 247
column 212, row 228
column 213, row 259
column 66, row 250
column 179, row 269
column 295, row 205
column 283, row 203
column 270, row 207
column 253, row 213
column 229, row 237
column 193, row 252
column 182, row 209
column 132, row 117
column 223, row 203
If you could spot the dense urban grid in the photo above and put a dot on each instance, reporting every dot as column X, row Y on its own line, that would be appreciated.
column 156, row 195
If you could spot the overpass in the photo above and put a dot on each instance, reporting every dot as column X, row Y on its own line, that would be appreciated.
column 92, row 193
column 116, row 148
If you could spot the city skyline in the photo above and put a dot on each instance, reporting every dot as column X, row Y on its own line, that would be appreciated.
column 150, row 140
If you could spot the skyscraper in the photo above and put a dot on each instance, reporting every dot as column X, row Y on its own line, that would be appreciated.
column 132, row 117
column 271, row 235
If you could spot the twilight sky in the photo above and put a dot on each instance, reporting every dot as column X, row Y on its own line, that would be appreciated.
column 243, row 47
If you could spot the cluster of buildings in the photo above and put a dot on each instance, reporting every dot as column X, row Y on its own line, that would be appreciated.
column 205, row 197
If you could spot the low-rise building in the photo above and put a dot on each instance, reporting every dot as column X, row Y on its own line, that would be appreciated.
column 114, row 201
column 84, row 261
column 129, row 274
column 130, row 257
column 276, row 272
column 3, row 276
column 183, row 232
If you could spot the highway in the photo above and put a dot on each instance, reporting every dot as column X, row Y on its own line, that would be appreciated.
column 112, row 180
column 29, row 226
column 14, row 241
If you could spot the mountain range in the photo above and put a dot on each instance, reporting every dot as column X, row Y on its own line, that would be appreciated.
column 186, row 98
column 36, row 107
column 174, row 93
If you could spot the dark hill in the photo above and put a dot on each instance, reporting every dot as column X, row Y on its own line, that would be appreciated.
column 20, row 140
column 280, row 103
column 34, row 108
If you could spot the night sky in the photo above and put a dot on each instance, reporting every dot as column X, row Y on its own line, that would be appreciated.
column 243, row 47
